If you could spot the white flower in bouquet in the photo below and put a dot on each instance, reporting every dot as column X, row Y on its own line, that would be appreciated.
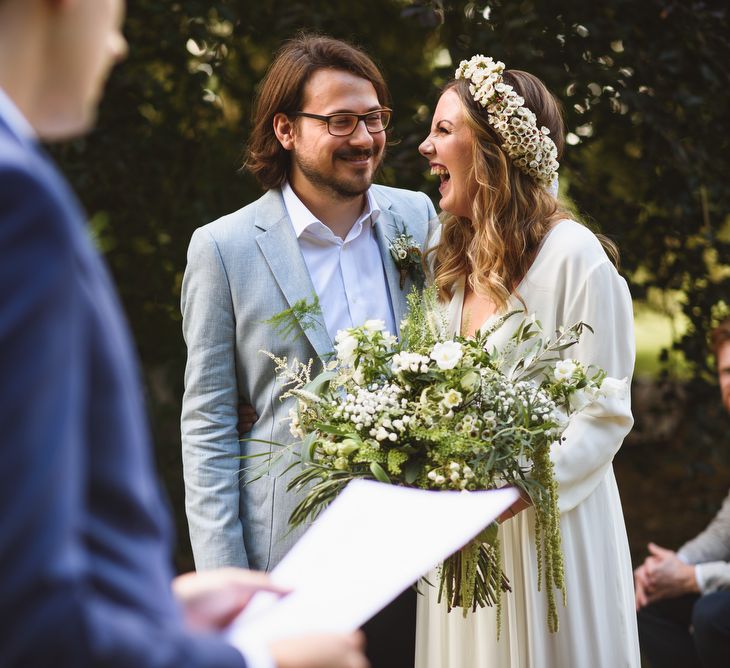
column 452, row 399
column 439, row 479
column 389, row 339
column 359, row 376
column 613, row 388
column 382, row 434
column 560, row 417
column 470, row 380
column 294, row 426
column 447, row 354
column 374, row 326
column 581, row 398
column 346, row 345
column 409, row 362
column 564, row 369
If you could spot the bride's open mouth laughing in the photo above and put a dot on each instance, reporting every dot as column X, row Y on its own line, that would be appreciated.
column 442, row 173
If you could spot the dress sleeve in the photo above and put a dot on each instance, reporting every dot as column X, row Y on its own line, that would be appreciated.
column 602, row 300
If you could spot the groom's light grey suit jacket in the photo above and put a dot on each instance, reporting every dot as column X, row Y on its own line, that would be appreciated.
column 243, row 269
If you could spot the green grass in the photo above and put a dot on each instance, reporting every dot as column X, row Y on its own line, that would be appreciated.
column 655, row 331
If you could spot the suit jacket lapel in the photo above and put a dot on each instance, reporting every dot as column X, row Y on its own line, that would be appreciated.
column 388, row 226
column 280, row 248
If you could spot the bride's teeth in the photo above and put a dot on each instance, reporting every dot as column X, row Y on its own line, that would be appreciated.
column 439, row 171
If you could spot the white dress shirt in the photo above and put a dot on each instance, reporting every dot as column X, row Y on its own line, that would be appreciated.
column 348, row 275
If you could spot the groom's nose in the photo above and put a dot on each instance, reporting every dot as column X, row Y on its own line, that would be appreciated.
column 360, row 135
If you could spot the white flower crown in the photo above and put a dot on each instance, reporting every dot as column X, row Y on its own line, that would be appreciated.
column 528, row 146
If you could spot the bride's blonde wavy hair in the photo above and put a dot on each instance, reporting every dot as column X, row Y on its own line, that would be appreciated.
column 511, row 213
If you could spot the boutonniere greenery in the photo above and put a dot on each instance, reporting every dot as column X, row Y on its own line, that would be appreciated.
column 407, row 256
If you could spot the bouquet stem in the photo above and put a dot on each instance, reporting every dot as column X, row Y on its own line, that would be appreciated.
column 473, row 576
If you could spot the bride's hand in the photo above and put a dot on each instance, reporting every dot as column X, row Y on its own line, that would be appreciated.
column 517, row 507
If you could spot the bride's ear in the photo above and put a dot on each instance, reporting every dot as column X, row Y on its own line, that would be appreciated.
column 284, row 131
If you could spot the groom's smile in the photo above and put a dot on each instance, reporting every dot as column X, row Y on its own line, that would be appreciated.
column 356, row 158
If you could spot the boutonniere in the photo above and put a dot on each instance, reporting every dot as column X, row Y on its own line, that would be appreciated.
column 406, row 255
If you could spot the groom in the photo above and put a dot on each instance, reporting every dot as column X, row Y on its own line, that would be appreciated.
column 321, row 231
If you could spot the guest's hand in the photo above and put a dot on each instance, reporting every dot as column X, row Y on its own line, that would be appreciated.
column 212, row 599
column 517, row 507
column 640, row 586
column 246, row 418
column 667, row 576
column 321, row 651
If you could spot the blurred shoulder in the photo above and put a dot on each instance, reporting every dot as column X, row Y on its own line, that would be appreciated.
column 35, row 201
column 20, row 175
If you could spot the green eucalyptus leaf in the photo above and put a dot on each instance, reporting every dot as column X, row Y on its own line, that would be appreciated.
column 309, row 445
column 412, row 468
column 379, row 472
column 318, row 384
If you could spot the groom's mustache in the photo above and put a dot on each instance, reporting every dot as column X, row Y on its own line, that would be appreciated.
column 355, row 155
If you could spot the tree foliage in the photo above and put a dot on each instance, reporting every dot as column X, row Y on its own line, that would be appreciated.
column 644, row 86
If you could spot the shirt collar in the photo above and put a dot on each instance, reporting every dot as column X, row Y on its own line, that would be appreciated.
column 14, row 118
column 302, row 218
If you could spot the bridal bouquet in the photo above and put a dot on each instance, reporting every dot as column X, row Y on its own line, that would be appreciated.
column 441, row 412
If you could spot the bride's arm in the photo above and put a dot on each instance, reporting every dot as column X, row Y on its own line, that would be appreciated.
column 601, row 299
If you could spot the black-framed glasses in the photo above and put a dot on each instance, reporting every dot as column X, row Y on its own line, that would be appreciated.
column 343, row 125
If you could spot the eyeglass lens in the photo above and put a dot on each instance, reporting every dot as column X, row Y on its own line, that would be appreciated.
column 345, row 124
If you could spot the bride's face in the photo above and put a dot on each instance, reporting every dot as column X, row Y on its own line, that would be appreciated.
column 448, row 149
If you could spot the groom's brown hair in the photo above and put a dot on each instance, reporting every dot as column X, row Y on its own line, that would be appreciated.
column 282, row 91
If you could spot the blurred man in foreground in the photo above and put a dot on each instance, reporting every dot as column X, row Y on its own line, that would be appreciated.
column 84, row 544
column 683, row 597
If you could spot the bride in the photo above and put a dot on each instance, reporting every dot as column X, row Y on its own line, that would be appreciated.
column 507, row 243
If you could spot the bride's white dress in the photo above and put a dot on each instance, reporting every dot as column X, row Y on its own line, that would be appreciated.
column 570, row 280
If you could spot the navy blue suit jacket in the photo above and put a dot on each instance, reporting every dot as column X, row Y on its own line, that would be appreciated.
column 84, row 538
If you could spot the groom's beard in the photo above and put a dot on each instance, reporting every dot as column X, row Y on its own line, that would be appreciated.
column 342, row 186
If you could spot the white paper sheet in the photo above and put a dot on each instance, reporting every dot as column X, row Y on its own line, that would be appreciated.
column 371, row 543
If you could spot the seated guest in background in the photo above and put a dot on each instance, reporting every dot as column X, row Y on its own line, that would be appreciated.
column 85, row 571
column 683, row 597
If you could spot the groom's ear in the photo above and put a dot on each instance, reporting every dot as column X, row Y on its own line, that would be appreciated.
column 284, row 131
